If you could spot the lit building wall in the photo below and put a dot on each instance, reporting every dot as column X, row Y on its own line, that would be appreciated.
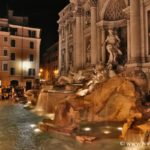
column 4, row 58
column 50, row 63
column 23, row 49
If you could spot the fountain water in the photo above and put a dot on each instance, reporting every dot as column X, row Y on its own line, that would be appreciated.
column 111, row 100
column 48, row 99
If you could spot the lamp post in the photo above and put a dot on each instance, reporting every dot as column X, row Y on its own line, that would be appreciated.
column 41, row 74
column 56, row 72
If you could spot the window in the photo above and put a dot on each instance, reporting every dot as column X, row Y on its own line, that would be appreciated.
column 32, row 45
column 5, row 67
column 4, row 29
column 31, row 57
column 12, row 56
column 5, row 53
column 12, row 71
column 31, row 33
column 13, row 31
column 13, row 43
column 5, row 39
column 31, row 72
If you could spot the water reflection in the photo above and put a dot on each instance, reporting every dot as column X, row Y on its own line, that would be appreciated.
column 18, row 131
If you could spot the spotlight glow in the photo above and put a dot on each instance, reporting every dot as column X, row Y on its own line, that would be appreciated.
column 37, row 130
column 108, row 127
column 50, row 116
column 87, row 129
column 32, row 125
column 119, row 128
column 106, row 132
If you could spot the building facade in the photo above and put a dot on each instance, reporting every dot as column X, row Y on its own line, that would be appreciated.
column 19, row 52
column 50, row 62
column 84, row 26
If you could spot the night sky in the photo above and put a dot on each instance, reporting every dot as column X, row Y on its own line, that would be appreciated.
column 42, row 14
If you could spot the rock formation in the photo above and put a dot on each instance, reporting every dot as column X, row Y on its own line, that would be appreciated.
column 104, row 97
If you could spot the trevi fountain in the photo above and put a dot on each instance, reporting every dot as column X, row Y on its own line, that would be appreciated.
column 102, row 102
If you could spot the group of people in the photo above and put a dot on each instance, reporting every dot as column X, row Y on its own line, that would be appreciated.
column 9, row 92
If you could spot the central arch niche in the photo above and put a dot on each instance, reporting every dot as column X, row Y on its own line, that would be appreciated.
column 114, row 10
column 113, row 16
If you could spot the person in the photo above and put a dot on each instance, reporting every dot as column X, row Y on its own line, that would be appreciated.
column 112, row 46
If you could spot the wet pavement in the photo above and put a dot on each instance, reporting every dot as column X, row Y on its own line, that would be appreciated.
column 18, row 132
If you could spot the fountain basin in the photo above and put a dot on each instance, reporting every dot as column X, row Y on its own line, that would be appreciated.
column 49, row 98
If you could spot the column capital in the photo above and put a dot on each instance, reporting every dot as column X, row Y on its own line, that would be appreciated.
column 93, row 3
column 79, row 11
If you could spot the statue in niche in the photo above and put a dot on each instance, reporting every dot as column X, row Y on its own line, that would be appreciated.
column 112, row 46
column 88, row 53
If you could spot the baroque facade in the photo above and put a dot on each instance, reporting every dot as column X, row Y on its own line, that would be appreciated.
column 19, row 51
column 84, row 26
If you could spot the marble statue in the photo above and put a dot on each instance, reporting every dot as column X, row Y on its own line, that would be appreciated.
column 62, row 80
column 73, row 77
column 98, row 76
column 112, row 46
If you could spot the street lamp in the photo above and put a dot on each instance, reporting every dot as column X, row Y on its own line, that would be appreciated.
column 56, row 72
column 41, row 74
column 41, row 70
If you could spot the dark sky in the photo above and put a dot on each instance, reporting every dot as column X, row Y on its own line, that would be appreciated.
column 42, row 14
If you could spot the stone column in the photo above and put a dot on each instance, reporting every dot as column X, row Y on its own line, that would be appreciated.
column 66, row 46
column 135, row 31
column 103, row 54
column 93, row 32
column 78, row 53
column 143, row 52
column 99, row 47
column 128, row 41
column 60, row 47
column 82, row 41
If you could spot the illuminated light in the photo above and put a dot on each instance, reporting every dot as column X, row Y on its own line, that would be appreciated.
column 50, row 116
column 42, row 80
column 108, row 127
column 39, row 74
column 87, row 129
column 32, row 125
column 119, row 128
column 134, row 147
column 106, row 132
column 39, row 109
column 27, row 105
column 29, row 102
column 37, row 130
column 56, row 72
column 41, row 70
column 26, row 65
